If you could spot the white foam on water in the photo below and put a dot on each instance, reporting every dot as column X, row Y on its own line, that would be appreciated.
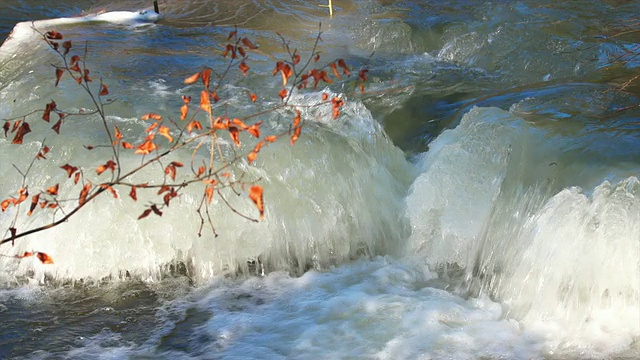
column 564, row 262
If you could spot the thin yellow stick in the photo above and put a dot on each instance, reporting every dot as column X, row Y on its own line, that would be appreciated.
column 330, row 6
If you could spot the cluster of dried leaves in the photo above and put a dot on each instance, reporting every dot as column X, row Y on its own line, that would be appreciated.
column 197, row 128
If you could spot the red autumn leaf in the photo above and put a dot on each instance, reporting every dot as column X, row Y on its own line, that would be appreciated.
column 215, row 97
column 127, row 145
column 171, row 171
column 241, row 52
column 42, row 153
column 53, row 35
column 74, row 60
column 57, row 125
column 46, row 115
column 186, row 99
column 252, row 156
column 76, row 177
column 86, row 76
column 252, row 96
column 316, row 58
column 296, row 135
column 34, row 203
column 155, row 210
column 232, row 34
column 5, row 203
column 6, row 128
column 53, row 190
column 279, row 65
column 146, row 148
column 104, row 90
column 363, row 75
column 191, row 79
column 343, row 65
column 25, row 254
column 221, row 124
column 66, row 46
column 151, row 128
column 133, row 193
column 208, row 192
column 22, row 131
column 152, row 116
column 118, row 134
column 271, row 138
column 244, row 68
column 255, row 194
column 255, row 129
column 195, row 124
column 205, row 103
column 144, row 214
column 24, row 193
column 362, row 88
column 286, row 73
column 206, row 77
column 249, row 44
column 235, row 135
column 296, row 59
column 283, row 94
column 109, row 165
column 229, row 48
column 334, row 68
column 296, row 119
column 325, row 96
column 201, row 170
column 184, row 111
column 165, row 131
column 239, row 123
column 44, row 258
column 111, row 190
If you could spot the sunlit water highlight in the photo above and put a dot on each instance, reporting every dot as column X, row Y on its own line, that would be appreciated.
column 512, row 230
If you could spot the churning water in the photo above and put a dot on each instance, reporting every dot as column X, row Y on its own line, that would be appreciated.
column 481, row 200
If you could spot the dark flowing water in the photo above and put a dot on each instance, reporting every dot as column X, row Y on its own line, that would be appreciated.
column 480, row 200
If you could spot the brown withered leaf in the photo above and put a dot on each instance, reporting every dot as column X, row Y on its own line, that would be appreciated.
column 22, row 131
column 44, row 258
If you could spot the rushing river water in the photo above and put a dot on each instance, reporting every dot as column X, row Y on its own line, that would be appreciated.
column 480, row 200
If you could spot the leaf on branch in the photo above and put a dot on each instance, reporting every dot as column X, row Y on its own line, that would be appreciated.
column 86, row 76
column 249, row 44
column 229, row 48
column 144, row 214
column 109, row 165
column 192, row 79
column 46, row 115
column 363, row 74
column 296, row 134
column 232, row 34
column 316, row 58
column 255, row 129
column 235, row 135
column 146, row 148
column 6, row 128
column 22, row 131
column 155, row 210
column 195, row 124
column 118, row 134
column 221, row 124
column 42, row 153
column 208, row 192
column 255, row 194
column 283, row 94
column 205, row 103
column 83, row 193
column 241, row 52
column 206, row 77
column 254, row 154
column 152, row 116
column 110, row 189
column 127, row 145
column 44, row 258
column 343, row 65
column 334, row 68
column 34, row 203
column 53, row 35
column 325, row 96
column 5, row 203
column 53, row 190
column 57, row 125
column 165, row 131
column 239, row 123
column 151, row 128
column 296, row 59
column 296, row 119
column 184, row 111
column 69, row 169
column 66, row 46
column 104, row 90
column 76, row 177
column 244, row 68
column 133, row 193
column 253, row 97
column 74, row 60
column 271, row 138
column 215, row 97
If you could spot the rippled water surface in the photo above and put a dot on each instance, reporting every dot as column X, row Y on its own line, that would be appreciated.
column 479, row 200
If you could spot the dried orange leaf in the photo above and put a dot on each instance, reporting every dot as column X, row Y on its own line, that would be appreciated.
column 152, row 116
column 44, row 258
column 255, row 194
column 59, row 73
column 191, row 79
column 249, row 44
column 104, row 90
column 53, row 190
column 165, row 131
column 235, row 135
